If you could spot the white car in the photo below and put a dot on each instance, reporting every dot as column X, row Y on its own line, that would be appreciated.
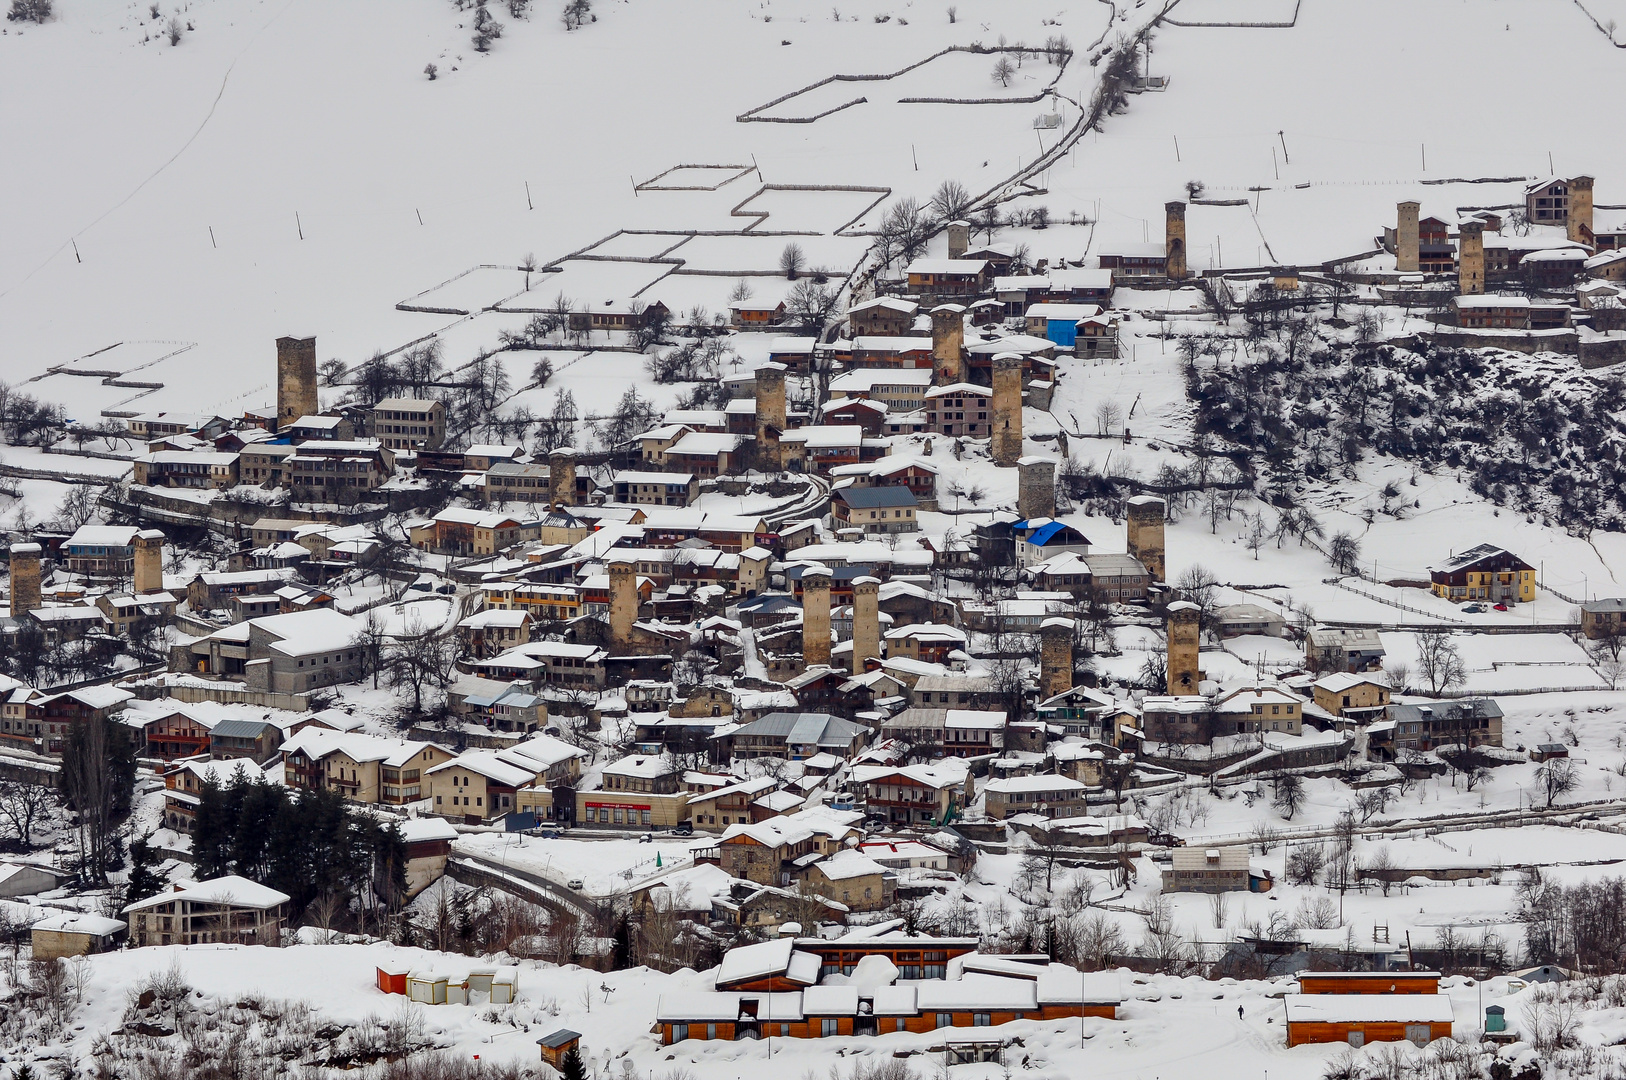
column 575, row 884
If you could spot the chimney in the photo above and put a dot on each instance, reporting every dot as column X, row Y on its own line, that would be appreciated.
column 948, row 344
column 25, row 579
column 562, row 476
column 1174, row 240
column 1036, row 487
column 1005, row 443
column 816, row 617
column 866, row 622
column 149, row 562
column 1406, row 237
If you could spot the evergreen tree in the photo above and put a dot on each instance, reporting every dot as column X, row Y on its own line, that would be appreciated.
column 144, row 878
column 572, row 1067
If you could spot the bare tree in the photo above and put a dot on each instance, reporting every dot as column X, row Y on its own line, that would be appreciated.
column 420, row 660
column 578, row 13
column 1287, row 794
column 486, row 29
column 174, row 29
column 1557, row 776
column 23, row 805
column 1344, row 552
column 951, row 201
column 1439, row 664
column 792, row 260
column 1004, row 71
column 1108, row 415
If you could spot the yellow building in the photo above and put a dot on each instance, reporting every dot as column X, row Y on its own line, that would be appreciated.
column 1486, row 572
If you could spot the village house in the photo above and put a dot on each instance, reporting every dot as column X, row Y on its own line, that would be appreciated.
column 655, row 488
column 1466, row 721
column 852, row 878
column 458, row 531
column 407, row 423
column 1486, row 572
column 937, row 279
column 889, row 509
column 227, row 910
column 886, row 316
column 1345, row 694
column 959, row 409
column 1338, row 648
column 362, row 768
column 1049, row 795
column 1207, row 869
column 184, row 469
column 1259, row 709
column 912, row 794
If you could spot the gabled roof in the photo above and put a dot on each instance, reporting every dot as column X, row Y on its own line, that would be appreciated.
column 231, row 889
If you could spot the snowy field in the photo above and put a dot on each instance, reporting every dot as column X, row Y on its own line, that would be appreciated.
column 604, row 867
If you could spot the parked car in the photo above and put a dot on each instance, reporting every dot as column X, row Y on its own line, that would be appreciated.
column 1473, row 609
column 1501, row 607
column 683, row 828
column 575, row 884
column 546, row 832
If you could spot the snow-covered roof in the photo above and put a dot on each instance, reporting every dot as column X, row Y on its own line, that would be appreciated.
column 487, row 764
column 848, row 864
column 231, row 889
column 78, row 922
column 1368, row 1009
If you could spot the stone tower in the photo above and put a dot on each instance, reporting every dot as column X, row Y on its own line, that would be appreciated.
column 866, row 622
column 562, row 476
column 25, row 579
column 1471, row 258
column 770, row 396
column 959, row 238
column 1055, row 657
column 1036, row 487
column 948, row 343
column 1174, row 240
column 1183, row 674
column 296, row 379
column 623, row 603
column 1578, row 226
column 1145, row 522
column 1406, row 237
column 1005, row 443
column 149, row 561
column 816, row 617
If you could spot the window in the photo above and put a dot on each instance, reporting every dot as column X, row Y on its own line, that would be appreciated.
column 711, row 1031
column 979, row 1019
column 945, row 1020
column 828, row 1026
column 679, row 1031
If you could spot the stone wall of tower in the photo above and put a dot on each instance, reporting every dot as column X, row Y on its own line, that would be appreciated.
column 959, row 238
column 1578, row 226
column 1036, row 487
column 816, row 619
column 623, row 603
column 1174, row 240
column 1006, row 441
column 25, row 579
column 1471, row 258
column 149, row 562
column 1055, row 657
column 1145, row 533
column 866, row 622
column 562, row 476
column 1184, row 676
column 1406, row 237
column 296, row 379
column 948, row 344
column 771, row 411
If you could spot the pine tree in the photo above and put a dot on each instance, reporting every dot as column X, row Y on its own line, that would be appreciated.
column 144, row 879
column 572, row 1067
